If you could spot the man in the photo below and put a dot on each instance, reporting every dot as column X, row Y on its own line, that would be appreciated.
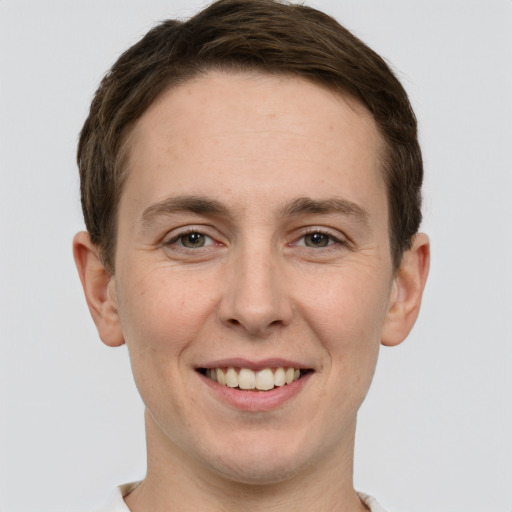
column 250, row 183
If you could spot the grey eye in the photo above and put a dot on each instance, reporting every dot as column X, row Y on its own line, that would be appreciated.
column 193, row 240
column 316, row 240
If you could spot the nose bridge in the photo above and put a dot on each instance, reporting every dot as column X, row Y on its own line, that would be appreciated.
column 255, row 297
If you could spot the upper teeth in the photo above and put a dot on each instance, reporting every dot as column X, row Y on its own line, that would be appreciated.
column 244, row 378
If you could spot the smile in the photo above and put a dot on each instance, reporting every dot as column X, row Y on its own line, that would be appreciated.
column 247, row 379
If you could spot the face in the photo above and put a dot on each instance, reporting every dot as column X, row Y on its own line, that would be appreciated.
column 253, row 248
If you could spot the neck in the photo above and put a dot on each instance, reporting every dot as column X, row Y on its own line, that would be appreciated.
column 175, row 482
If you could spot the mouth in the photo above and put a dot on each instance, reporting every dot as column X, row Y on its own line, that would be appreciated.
column 247, row 379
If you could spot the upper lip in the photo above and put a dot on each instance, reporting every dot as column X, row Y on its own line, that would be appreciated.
column 238, row 362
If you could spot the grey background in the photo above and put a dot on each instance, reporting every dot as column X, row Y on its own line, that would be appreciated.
column 434, row 433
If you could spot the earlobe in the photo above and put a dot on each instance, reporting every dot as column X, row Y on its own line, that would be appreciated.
column 407, row 291
column 99, row 290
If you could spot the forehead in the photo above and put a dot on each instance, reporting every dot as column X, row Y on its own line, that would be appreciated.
column 252, row 133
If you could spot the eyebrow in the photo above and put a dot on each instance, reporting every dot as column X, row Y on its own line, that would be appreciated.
column 193, row 204
column 305, row 205
column 205, row 206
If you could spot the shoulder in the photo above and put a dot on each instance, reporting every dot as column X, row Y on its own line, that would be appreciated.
column 116, row 502
column 371, row 503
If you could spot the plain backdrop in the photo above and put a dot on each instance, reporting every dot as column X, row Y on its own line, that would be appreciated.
column 435, row 434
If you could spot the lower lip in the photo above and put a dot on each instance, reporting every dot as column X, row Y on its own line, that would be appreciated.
column 257, row 401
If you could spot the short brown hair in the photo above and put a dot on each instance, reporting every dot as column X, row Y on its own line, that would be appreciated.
column 240, row 35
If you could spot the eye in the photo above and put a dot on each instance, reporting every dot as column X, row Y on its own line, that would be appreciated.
column 317, row 239
column 191, row 240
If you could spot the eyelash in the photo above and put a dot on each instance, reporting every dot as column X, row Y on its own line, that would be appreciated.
column 332, row 240
column 190, row 231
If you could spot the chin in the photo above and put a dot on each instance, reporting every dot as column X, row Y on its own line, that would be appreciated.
column 258, row 472
column 262, row 461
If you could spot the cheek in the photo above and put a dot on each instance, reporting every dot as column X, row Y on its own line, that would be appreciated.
column 162, row 315
column 163, row 310
column 349, row 309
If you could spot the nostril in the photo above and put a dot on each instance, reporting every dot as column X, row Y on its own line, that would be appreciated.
column 234, row 322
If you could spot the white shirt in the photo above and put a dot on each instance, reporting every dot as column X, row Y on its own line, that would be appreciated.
column 116, row 502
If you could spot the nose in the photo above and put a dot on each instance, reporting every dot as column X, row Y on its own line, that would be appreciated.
column 256, row 296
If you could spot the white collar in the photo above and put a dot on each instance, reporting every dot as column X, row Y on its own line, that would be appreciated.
column 116, row 502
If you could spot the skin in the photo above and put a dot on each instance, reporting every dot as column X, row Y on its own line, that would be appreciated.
column 258, row 288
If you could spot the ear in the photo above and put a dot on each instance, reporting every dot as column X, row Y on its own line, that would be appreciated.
column 406, row 293
column 99, row 289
